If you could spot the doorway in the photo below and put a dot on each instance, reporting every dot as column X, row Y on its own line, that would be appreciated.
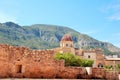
column 18, row 68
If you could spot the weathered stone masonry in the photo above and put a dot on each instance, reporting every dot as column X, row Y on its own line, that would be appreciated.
column 22, row 62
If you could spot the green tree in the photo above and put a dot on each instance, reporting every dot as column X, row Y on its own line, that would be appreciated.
column 86, row 63
column 108, row 67
column 118, row 66
column 72, row 60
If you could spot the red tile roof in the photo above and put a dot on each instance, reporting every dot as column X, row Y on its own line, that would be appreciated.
column 66, row 37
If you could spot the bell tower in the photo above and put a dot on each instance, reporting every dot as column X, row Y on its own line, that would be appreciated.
column 66, row 41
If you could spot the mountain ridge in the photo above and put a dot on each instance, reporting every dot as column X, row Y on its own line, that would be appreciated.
column 44, row 36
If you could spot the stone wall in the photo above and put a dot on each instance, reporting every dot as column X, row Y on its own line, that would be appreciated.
column 111, row 75
column 98, row 73
column 112, row 62
column 101, row 73
column 21, row 62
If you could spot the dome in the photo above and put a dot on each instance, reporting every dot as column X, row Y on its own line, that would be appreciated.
column 66, row 37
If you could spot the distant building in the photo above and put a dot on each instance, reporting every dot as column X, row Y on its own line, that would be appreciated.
column 67, row 46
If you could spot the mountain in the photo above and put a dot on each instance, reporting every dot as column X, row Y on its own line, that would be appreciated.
column 42, row 36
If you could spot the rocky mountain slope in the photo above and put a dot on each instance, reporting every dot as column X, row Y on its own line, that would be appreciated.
column 42, row 36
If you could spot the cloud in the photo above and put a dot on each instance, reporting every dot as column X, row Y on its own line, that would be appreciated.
column 112, row 10
column 115, row 16
column 5, row 17
column 115, row 12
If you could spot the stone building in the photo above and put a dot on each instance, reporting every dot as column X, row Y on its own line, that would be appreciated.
column 67, row 46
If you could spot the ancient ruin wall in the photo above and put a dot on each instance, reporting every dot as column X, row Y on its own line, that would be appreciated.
column 21, row 62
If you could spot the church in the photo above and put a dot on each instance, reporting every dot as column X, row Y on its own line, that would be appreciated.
column 67, row 46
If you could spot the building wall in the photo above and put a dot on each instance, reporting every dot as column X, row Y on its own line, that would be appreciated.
column 112, row 62
column 100, row 60
column 91, row 56
column 66, row 44
column 65, row 50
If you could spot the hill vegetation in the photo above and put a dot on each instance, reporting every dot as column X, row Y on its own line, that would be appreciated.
column 42, row 36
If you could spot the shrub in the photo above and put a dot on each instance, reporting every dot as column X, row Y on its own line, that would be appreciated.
column 72, row 60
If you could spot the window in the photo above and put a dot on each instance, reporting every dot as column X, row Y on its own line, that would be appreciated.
column 82, row 54
column 18, row 68
column 66, row 44
column 88, row 56
column 100, row 65
column 76, row 53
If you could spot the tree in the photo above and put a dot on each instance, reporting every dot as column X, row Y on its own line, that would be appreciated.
column 72, row 60
column 118, row 66
column 86, row 63
column 108, row 67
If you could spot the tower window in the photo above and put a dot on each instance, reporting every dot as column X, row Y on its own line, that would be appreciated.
column 66, row 44
column 88, row 56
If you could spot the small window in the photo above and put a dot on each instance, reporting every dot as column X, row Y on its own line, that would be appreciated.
column 88, row 56
column 76, row 53
column 82, row 54
column 100, row 65
column 18, row 68
column 66, row 44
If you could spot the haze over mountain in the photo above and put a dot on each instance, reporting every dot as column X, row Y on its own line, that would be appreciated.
column 43, row 36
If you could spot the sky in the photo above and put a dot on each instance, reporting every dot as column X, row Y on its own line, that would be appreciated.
column 99, row 19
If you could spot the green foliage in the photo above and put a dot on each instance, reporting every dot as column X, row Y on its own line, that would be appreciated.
column 86, row 63
column 108, row 67
column 72, row 60
column 118, row 66
column 112, row 68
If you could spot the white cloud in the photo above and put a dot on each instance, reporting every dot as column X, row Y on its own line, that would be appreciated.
column 112, row 10
column 115, row 16
column 117, row 34
column 115, row 12
column 5, row 17
column 116, row 7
